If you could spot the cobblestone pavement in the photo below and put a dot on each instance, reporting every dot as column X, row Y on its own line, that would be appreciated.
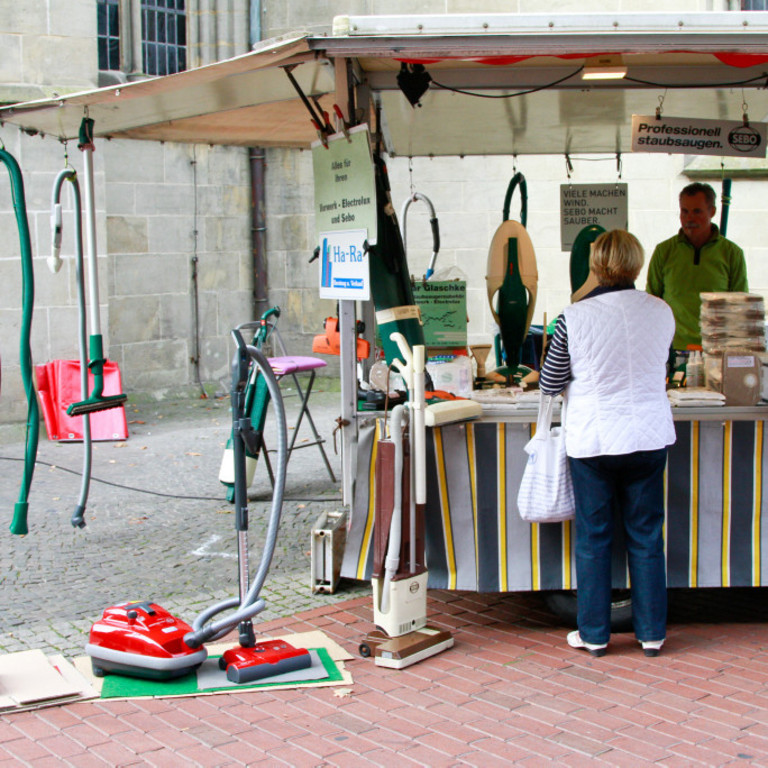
column 158, row 525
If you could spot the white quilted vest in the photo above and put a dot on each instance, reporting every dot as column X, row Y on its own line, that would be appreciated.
column 617, row 403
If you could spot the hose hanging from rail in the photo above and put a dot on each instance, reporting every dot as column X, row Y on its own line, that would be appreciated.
column 19, row 520
column 68, row 174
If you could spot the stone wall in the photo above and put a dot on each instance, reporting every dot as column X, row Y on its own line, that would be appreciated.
column 161, row 210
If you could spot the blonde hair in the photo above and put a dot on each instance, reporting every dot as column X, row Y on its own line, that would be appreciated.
column 616, row 258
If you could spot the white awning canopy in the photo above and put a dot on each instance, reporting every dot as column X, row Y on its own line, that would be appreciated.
column 500, row 84
column 705, row 65
column 245, row 101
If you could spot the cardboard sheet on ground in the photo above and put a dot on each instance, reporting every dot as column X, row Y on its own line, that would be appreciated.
column 30, row 680
column 327, row 670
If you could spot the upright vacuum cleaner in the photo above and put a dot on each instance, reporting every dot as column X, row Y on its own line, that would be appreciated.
column 141, row 639
column 511, row 283
column 399, row 582
column 97, row 400
column 583, row 280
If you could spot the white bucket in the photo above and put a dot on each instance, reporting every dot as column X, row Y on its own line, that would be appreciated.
column 227, row 469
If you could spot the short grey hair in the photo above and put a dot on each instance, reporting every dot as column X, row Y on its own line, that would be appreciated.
column 699, row 186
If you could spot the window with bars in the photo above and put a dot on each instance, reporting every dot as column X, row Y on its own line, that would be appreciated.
column 163, row 36
column 108, row 33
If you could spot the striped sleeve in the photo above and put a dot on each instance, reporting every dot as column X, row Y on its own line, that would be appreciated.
column 556, row 371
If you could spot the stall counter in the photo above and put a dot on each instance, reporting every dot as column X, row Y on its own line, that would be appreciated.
column 476, row 540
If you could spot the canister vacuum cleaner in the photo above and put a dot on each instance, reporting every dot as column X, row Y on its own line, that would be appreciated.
column 141, row 639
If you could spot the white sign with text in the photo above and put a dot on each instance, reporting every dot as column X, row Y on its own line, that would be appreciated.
column 344, row 270
column 688, row 136
column 582, row 205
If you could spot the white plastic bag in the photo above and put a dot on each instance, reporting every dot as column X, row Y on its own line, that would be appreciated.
column 546, row 490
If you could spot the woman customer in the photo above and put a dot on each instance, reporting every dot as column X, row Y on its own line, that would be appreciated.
column 608, row 354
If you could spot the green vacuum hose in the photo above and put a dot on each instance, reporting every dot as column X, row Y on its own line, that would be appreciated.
column 19, row 521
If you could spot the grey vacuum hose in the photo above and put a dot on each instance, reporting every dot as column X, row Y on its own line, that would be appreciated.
column 68, row 174
column 251, row 604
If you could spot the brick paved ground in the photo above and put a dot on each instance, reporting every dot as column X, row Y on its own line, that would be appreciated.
column 509, row 692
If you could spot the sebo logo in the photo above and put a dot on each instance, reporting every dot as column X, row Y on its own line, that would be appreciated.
column 744, row 139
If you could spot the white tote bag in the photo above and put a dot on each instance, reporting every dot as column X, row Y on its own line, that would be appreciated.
column 546, row 490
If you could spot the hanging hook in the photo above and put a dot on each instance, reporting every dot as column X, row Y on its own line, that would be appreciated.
column 744, row 109
column 66, row 153
column 514, row 164
column 661, row 104
column 618, row 166
column 568, row 166
column 410, row 175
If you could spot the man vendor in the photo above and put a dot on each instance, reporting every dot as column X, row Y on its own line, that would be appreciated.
column 697, row 259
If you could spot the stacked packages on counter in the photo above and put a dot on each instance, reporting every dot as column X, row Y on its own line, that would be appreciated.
column 733, row 339
column 692, row 397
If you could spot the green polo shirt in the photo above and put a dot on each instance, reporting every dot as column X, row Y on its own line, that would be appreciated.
column 679, row 274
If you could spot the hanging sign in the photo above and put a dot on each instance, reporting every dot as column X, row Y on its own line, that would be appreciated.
column 344, row 265
column 345, row 191
column 443, row 305
column 680, row 135
column 582, row 205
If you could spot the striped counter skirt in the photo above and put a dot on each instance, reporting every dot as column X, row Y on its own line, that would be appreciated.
column 476, row 540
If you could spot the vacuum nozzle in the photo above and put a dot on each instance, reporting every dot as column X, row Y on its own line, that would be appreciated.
column 77, row 518
column 103, row 403
column 19, row 521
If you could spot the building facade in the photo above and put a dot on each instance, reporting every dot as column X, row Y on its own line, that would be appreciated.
column 193, row 240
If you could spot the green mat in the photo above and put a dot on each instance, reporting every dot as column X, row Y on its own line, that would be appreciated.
column 117, row 686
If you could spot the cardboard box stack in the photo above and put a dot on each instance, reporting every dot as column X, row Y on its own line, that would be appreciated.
column 733, row 341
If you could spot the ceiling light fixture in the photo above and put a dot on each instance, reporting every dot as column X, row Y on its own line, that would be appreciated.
column 606, row 67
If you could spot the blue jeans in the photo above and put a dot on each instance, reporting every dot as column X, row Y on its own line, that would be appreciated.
column 635, row 483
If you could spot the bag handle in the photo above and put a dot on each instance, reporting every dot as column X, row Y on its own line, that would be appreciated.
column 546, row 411
column 544, row 419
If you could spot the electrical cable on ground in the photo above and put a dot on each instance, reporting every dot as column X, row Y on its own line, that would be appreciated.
column 155, row 493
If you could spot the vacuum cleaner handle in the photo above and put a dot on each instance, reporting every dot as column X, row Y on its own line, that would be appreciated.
column 54, row 260
column 517, row 180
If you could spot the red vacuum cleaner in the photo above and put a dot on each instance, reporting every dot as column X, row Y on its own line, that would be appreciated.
column 141, row 639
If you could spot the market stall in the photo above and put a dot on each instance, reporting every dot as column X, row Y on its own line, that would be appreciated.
column 403, row 76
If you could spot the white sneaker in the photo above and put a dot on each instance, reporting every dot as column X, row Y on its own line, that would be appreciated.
column 651, row 647
column 575, row 641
